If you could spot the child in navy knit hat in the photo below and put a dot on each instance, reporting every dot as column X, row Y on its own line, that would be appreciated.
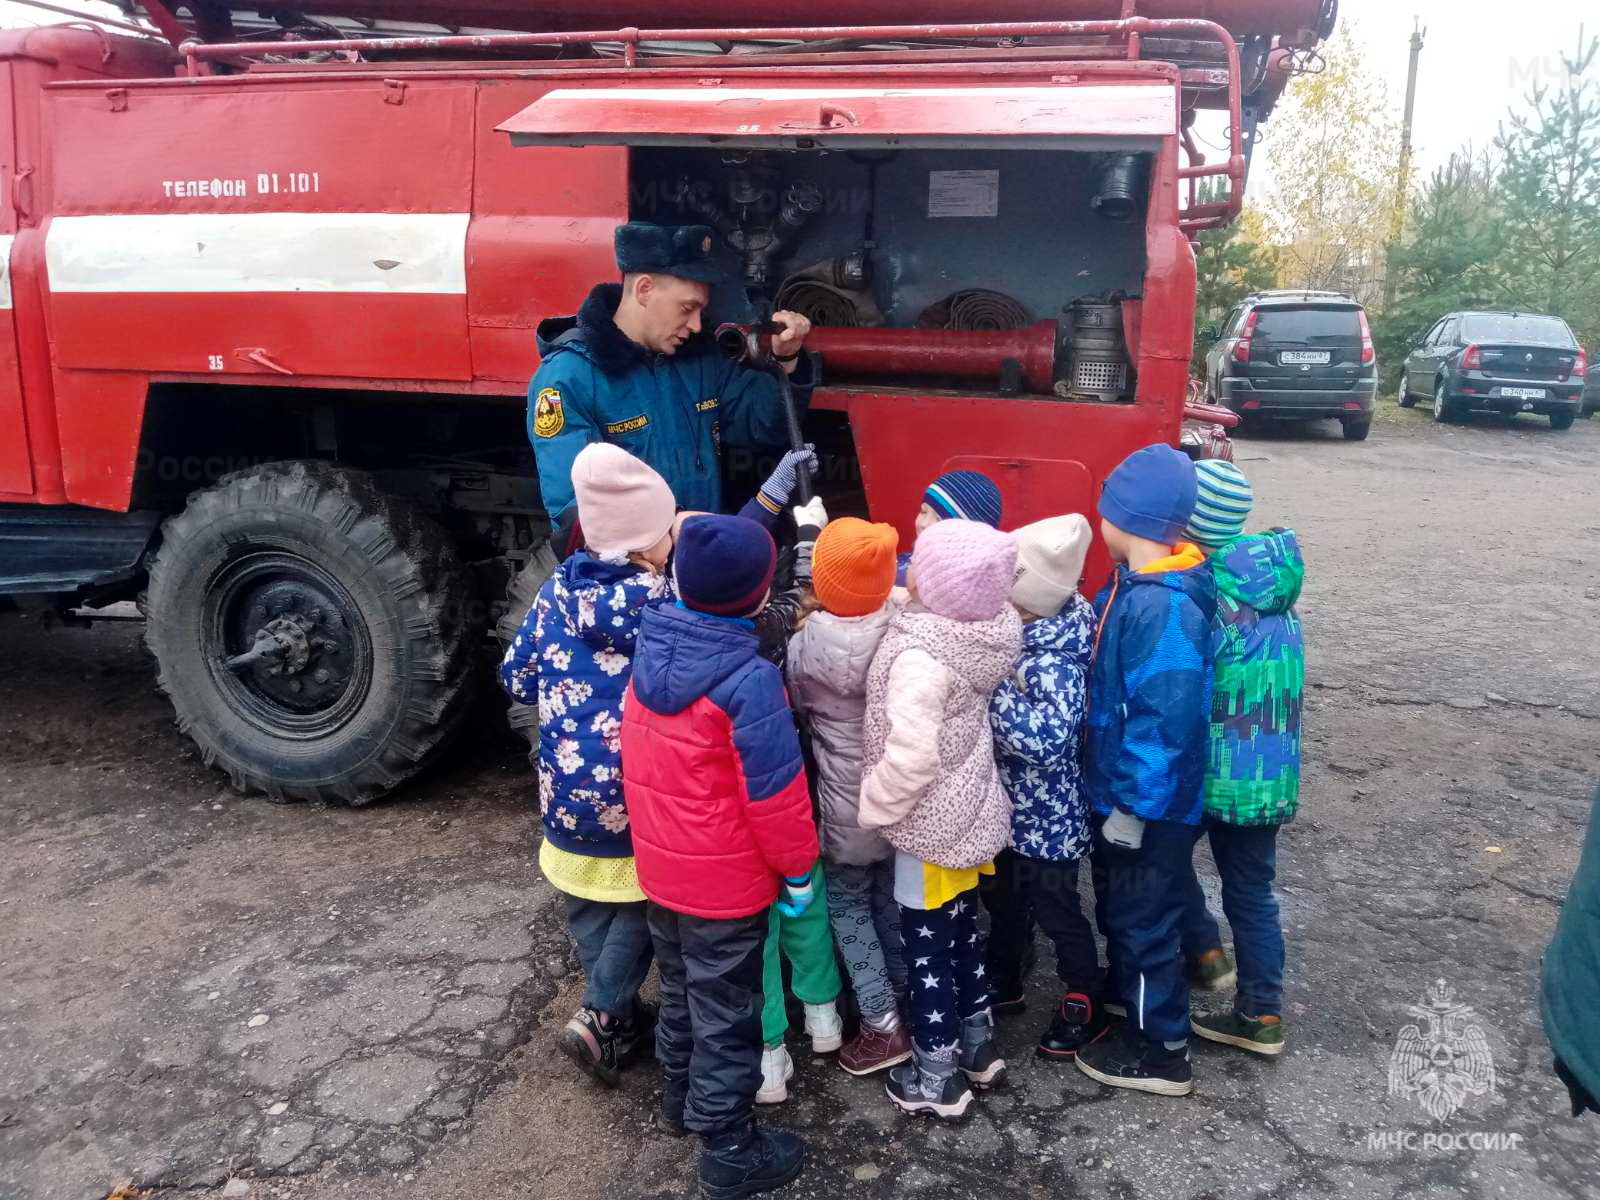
column 716, row 789
column 1144, row 761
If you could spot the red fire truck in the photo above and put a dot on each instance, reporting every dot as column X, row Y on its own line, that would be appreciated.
column 268, row 308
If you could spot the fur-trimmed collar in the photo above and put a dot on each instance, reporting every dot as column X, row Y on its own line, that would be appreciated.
column 597, row 337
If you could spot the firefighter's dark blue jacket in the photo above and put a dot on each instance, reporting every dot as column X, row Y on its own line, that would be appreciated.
column 677, row 412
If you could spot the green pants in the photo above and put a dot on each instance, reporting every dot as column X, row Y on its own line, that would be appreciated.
column 807, row 942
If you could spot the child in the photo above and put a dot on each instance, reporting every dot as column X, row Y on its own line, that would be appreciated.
column 1252, row 783
column 572, row 658
column 1037, row 715
column 929, row 781
column 955, row 496
column 1144, row 756
column 853, row 569
column 717, row 793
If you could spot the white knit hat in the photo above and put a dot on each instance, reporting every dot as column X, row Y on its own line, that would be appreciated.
column 624, row 506
column 1050, row 556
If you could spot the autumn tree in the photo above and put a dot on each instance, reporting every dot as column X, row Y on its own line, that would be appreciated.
column 1230, row 263
column 1331, row 151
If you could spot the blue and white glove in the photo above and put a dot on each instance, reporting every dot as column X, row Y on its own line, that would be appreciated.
column 1123, row 829
column 775, row 492
column 799, row 893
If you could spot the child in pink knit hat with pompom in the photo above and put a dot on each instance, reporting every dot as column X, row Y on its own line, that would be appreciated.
column 929, row 782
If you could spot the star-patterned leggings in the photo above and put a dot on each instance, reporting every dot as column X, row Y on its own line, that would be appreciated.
column 945, row 951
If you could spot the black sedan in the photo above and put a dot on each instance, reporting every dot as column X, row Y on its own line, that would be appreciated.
column 1497, row 362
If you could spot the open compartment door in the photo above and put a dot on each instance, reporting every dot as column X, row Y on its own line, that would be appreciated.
column 1113, row 116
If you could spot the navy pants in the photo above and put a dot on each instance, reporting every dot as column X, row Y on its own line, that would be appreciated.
column 614, row 947
column 945, row 952
column 1142, row 896
column 1023, row 891
column 708, row 1038
column 1247, row 863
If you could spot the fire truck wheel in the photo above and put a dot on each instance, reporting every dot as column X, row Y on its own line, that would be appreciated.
column 313, row 633
column 520, row 593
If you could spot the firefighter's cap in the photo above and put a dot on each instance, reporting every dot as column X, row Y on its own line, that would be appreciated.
column 687, row 251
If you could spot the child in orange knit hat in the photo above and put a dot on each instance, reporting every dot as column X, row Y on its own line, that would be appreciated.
column 852, row 574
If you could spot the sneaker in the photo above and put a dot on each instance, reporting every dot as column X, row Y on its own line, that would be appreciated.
column 1133, row 1061
column 1078, row 1022
column 824, row 1027
column 636, row 1037
column 1213, row 971
column 875, row 1049
column 914, row 1090
column 591, row 1047
column 1247, row 1033
column 777, row 1068
column 748, row 1162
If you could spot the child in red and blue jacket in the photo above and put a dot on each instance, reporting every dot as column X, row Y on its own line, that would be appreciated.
column 721, row 815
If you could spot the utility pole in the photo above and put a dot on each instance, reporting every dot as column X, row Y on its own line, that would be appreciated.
column 1397, row 226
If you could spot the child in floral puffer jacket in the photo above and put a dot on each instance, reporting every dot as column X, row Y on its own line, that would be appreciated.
column 573, row 658
column 1038, row 717
column 929, row 782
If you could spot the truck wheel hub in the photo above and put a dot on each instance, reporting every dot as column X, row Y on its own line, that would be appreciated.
column 290, row 647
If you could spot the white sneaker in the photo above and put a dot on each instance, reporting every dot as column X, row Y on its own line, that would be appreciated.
column 777, row 1068
column 824, row 1027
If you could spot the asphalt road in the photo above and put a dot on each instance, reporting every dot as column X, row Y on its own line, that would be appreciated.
column 313, row 1003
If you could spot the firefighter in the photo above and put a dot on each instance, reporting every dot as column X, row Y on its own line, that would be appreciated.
column 630, row 369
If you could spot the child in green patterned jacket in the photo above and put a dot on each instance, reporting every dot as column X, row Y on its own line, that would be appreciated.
column 1252, row 784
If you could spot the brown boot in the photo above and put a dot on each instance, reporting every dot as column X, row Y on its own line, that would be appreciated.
column 875, row 1049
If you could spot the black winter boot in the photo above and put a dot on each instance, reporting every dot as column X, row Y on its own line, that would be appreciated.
column 748, row 1161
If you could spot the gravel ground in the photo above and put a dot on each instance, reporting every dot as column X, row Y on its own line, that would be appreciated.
column 207, row 992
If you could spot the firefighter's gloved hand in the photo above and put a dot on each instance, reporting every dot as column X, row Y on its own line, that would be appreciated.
column 775, row 492
column 798, row 894
column 1123, row 829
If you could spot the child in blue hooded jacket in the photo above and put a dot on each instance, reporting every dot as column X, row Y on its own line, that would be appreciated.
column 1144, row 760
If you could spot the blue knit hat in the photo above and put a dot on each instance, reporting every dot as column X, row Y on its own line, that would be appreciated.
column 724, row 565
column 1222, row 504
column 965, row 496
column 1151, row 494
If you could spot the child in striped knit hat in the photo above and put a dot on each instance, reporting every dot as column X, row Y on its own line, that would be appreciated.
column 955, row 496
column 1252, row 779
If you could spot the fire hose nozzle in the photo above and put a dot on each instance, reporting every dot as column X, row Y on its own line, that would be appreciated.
column 748, row 343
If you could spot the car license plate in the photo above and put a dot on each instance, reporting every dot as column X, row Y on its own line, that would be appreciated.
column 1523, row 393
column 1305, row 356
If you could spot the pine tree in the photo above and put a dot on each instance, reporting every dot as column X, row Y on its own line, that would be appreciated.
column 1230, row 263
column 1550, row 185
column 1451, row 257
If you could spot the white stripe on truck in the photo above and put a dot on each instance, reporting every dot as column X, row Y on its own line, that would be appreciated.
column 419, row 253
column 5, row 270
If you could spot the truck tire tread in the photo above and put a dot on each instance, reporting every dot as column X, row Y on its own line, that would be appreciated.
column 421, row 583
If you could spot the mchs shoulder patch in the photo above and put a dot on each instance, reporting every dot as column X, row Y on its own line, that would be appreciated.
column 549, row 414
column 631, row 425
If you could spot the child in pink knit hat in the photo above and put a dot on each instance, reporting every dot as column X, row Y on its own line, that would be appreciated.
column 572, row 659
column 929, row 782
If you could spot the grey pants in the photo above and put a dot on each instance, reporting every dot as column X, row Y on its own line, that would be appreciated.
column 866, row 928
